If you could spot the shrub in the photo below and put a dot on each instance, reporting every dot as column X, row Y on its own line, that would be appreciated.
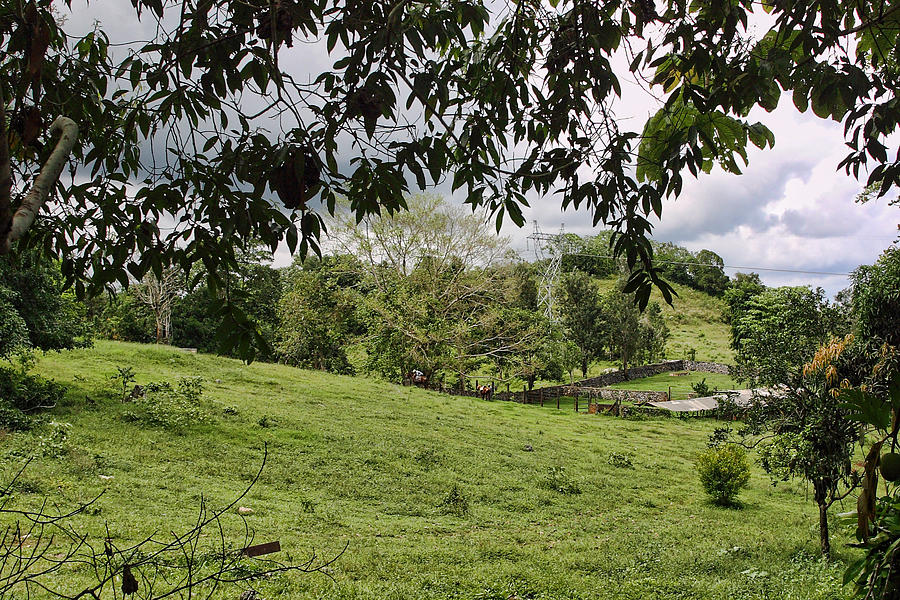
column 168, row 406
column 55, row 441
column 558, row 481
column 723, row 472
column 620, row 460
column 701, row 389
column 22, row 394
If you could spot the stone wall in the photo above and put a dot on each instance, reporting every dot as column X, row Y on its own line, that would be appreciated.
column 592, row 386
column 633, row 373
column 706, row 367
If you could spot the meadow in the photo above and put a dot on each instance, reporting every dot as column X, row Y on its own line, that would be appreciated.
column 421, row 495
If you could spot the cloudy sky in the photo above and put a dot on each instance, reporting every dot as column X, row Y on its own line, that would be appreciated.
column 791, row 210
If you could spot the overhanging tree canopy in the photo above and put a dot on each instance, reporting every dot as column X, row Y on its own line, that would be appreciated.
column 185, row 139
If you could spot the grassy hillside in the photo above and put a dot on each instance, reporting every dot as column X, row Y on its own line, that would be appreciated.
column 372, row 466
column 695, row 321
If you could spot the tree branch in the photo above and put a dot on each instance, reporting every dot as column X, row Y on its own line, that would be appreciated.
column 43, row 183
column 5, row 172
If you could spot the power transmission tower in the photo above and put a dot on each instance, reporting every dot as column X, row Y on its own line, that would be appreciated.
column 549, row 246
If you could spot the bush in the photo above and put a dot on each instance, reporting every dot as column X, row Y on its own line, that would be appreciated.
column 22, row 394
column 168, row 406
column 558, row 481
column 723, row 472
column 620, row 460
column 701, row 389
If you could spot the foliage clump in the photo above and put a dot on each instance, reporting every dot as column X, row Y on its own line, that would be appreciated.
column 455, row 502
column 170, row 407
column 22, row 395
column 620, row 460
column 701, row 388
column 723, row 473
column 559, row 481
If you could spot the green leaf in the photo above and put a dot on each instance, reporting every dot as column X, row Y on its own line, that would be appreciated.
column 866, row 408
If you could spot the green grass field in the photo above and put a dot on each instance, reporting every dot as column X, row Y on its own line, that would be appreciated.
column 371, row 466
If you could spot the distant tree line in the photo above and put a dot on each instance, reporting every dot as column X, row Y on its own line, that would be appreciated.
column 432, row 289
column 702, row 270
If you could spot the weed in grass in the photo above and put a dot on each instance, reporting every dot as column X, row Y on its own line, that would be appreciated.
column 54, row 442
column 559, row 481
column 619, row 460
column 455, row 502
column 170, row 407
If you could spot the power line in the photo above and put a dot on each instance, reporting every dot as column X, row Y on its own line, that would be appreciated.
column 691, row 264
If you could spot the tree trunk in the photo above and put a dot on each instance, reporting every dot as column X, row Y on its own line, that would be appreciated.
column 823, row 531
column 584, row 367
column 820, row 493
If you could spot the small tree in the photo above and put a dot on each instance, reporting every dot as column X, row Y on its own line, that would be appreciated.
column 159, row 294
column 625, row 331
column 655, row 332
column 581, row 308
column 314, row 320
column 723, row 473
column 804, row 431
column 776, row 331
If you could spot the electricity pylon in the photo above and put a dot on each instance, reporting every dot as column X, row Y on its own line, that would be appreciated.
column 552, row 246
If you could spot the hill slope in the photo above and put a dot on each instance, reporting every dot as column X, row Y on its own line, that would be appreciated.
column 695, row 321
column 373, row 466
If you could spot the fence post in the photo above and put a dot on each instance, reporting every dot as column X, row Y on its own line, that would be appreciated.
column 542, row 396
column 524, row 391
column 557, row 403
column 669, row 396
column 576, row 402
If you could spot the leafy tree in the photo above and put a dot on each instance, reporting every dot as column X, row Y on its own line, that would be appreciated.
column 776, row 331
column 569, row 358
column 539, row 352
column 708, row 274
column 589, row 254
column 626, row 335
column 525, row 287
column 739, row 291
column 803, row 430
column 314, row 323
column 655, row 332
column 536, row 85
column 35, row 311
column 438, row 295
column 675, row 262
column 121, row 316
column 876, row 299
column 251, row 286
column 581, row 308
